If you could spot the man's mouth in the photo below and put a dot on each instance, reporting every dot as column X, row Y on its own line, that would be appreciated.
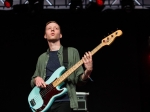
column 52, row 34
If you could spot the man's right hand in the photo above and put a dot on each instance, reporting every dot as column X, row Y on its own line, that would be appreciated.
column 39, row 82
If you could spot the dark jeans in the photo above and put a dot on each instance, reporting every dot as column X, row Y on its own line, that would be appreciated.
column 60, row 107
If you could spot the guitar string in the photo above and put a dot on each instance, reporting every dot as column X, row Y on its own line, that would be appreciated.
column 47, row 89
column 43, row 93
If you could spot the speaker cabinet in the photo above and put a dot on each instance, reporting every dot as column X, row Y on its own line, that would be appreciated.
column 82, row 101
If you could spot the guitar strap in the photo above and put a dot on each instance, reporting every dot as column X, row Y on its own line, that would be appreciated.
column 65, row 57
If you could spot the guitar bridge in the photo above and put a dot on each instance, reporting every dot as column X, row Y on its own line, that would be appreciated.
column 32, row 102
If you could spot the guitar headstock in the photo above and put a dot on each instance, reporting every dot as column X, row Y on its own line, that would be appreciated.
column 109, row 39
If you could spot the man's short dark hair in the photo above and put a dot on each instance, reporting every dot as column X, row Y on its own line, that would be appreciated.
column 53, row 22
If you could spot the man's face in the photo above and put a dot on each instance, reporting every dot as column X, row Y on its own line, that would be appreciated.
column 52, row 32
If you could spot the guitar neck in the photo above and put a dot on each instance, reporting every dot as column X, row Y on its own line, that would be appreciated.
column 73, row 68
column 97, row 48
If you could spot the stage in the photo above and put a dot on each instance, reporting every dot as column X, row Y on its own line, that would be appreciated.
column 121, row 81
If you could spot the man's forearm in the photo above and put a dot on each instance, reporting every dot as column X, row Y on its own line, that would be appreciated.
column 86, row 74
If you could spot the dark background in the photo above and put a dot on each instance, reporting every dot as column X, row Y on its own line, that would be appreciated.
column 121, row 70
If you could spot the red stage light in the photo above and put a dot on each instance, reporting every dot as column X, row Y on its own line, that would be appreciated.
column 100, row 2
column 8, row 3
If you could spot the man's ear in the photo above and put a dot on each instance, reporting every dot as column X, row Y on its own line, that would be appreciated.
column 60, row 35
column 45, row 36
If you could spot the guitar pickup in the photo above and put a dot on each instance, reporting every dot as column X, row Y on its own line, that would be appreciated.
column 32, row 102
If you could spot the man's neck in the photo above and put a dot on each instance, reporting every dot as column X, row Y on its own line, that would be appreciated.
column 54, row 46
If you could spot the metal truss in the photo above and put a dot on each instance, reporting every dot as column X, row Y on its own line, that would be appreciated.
column 65, row 4
column 48, row 1
column 2, row 1
column 136, row 1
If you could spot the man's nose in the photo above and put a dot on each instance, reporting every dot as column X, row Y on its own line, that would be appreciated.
column 52, row 29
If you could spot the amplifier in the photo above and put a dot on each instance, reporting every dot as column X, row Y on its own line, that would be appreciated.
column 82, row 100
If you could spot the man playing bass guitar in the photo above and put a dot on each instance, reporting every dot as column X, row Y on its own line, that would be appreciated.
column 48, row 63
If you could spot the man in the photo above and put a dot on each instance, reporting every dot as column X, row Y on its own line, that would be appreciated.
column 49, row 61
